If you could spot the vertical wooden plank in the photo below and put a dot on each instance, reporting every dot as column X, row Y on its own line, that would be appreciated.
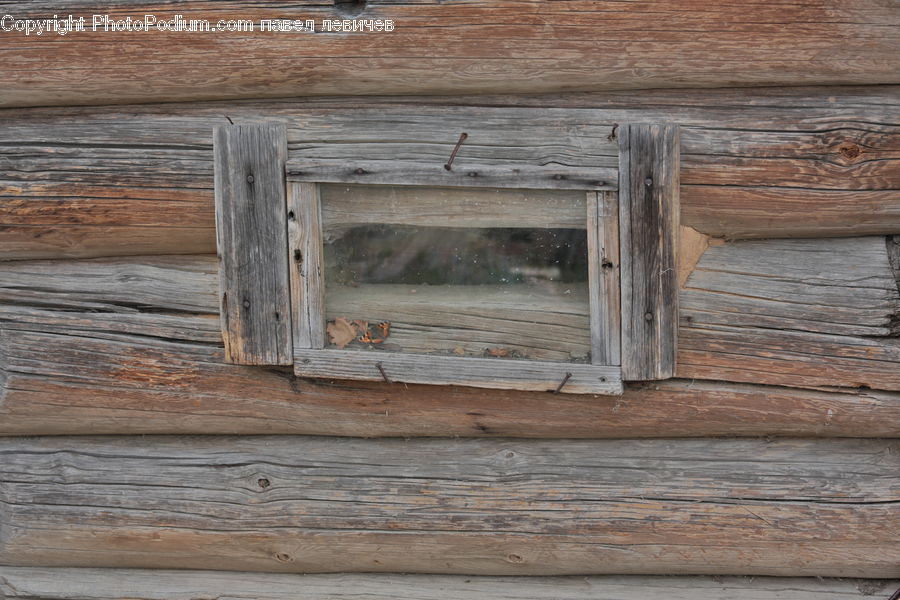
column 648, row 217
column 251, row 241
column 306, row 256
column 603, row 276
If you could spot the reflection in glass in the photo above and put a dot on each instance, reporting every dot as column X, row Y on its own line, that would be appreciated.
column 496, row 292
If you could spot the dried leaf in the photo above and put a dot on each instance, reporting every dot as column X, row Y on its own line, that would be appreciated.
column 341, row 331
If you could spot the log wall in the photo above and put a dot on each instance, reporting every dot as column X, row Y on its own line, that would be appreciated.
column 772, row 451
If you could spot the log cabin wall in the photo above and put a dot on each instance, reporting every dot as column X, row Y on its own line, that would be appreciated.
column 138, row 464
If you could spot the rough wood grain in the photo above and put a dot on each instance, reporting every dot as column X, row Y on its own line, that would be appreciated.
column 396, row 172
column 346, row 205
column 35, row 583
column 548, row 322
column 495, row 373
column 466, row 47
column 72, row 187
column 304, row 222
column 307, row 504
column 648, row 228
column 793, row 312
column 603, row 277
column 251, row 233
column 124, row 373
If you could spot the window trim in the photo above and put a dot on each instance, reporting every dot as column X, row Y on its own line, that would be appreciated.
column 313, row 359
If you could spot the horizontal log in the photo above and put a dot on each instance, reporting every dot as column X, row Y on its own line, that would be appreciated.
column 136, row 348
column 31, row 583
column 493, row 507
column 466, row 47
column 793, row 312
column 761, row 163
column 137, row 383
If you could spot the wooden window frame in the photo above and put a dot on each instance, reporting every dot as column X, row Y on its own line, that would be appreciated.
column 631, row 220
column 305, row 233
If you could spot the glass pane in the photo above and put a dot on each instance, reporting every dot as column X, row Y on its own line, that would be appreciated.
column 495, row 292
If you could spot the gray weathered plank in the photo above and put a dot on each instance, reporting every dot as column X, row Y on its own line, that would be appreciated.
column 603, row 276
column 480, row 506
column 498, row 373
column 252, row 242
column 397, row 172
column 549, row 322
column 648, row 226
column 347, row 205
column 36, row 583
column 304, row 223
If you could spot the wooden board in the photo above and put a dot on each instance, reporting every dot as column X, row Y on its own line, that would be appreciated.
column 397, row 172
column 27, row 583
column 347, row 205
column 466, row 47
column 546, row 322
column 789, row 159
column 604, row 267
column 648, row 227
column 536, row 507
column 304, row 224
column 252, row 243
column 496, row 373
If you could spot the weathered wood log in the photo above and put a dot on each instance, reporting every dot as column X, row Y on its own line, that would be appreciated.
column 136, row 348
column 495, row 507
column 35, row 583
column 464, row 48
column 251, row 232
column 793, row 312
column 110, row 374
column 761, row 163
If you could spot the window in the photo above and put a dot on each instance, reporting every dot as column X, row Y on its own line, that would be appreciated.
column 497, row 277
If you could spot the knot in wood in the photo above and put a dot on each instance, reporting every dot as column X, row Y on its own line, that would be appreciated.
column 250, row 179
column 849, row 150
column 648, row 182
column 263, row 482
column 648, row 316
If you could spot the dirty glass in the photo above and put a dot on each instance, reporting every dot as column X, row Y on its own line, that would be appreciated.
column 400, row 276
